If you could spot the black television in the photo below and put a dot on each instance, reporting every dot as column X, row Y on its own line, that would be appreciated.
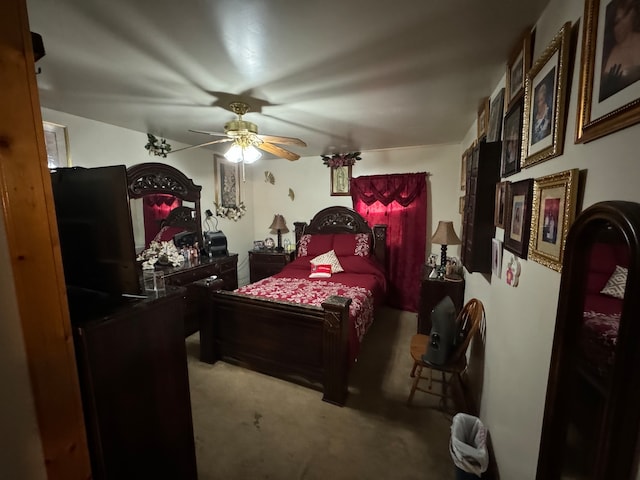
column 95, row 231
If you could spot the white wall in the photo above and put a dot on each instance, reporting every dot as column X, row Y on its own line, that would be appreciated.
column 21, row 453
column 520, row 321
column 309, row 178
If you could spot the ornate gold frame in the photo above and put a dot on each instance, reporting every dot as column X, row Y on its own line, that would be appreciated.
column 521, row 50
column 588, row 128
column 566, row 185
column 483, row 117
column 560, row 46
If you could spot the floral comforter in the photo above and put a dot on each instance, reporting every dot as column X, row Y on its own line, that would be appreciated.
column 598, row 340
column 363, row 281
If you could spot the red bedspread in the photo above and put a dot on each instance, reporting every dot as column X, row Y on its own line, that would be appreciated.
column 598, row 339
column 363, row 281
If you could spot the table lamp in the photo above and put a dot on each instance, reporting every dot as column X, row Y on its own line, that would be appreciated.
column 445, row 235
column 279, row 226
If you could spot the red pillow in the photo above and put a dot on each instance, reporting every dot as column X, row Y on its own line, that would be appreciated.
column 347, row 244
column 320, row 271
column 314, row 245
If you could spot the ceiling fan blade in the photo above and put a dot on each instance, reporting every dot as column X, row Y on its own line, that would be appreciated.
column 202, row 145
column 284, row 140
column 278, row 151
column 220, row 134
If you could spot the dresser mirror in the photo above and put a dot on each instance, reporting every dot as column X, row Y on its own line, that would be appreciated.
column 163, row 202
column 592, row 411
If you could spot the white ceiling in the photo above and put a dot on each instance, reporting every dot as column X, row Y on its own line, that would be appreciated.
column 343, row 75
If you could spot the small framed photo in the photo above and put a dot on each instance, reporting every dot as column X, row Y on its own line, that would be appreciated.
column 544, row 102
column 496, row 257
column 518, row 217
column 517, row 67
column 512, row 143
column 340, row 180
column 609, row 95
column 57, row 144
column 554, row 208
column 258, row 245
column 461, row 205
column 463, row 170
column 495, row 117
column 500, row 204
column 483, row 118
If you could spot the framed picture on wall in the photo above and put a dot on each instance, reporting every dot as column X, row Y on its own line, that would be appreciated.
column 512, row 142
column 554, row 208
column 544, row 102
column 57, row 144
column 500, row 204
column 496, row 257
column 609, row 95
column 518, row 217
column 495, row 117
column 483, row 118
column 228, row 201
column 340, row 180
column 517, row 67
column 463, row 170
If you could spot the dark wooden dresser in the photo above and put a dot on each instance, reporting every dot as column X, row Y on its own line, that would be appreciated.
column 432, row 290
column 132, row 368
column 225, row 268
column 264, row 263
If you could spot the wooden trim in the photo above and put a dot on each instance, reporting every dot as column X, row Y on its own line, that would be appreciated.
column 34, row 250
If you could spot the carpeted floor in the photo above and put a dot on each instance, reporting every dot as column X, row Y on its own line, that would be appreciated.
column 249, row 425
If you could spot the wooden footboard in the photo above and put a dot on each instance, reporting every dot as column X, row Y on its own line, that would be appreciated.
column 303, row 344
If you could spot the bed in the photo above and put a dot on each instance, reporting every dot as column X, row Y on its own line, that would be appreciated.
column 264, row 328
column 598, row 335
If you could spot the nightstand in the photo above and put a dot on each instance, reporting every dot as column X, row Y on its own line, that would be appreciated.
column 264, row 263
column 432, row 290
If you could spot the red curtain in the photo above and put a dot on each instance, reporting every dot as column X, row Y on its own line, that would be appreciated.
column 400, row 202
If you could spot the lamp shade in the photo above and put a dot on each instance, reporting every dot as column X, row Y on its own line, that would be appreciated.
column 445, row 234
column 278, row 224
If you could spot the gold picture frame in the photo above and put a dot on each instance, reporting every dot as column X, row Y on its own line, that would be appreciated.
column 543, row 124
column 517, row 67
column 483, row 118
column 461, row 205
column 340, row 181
column 554, row 209
column 56, row 141
column 607, row 102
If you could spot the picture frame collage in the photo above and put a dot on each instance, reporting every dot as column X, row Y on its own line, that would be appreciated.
column 534, row 114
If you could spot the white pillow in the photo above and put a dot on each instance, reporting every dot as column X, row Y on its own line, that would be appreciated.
column 320, row 271
column 328, row 258
column 616, row 284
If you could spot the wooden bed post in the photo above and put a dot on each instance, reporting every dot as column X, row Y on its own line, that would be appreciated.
column 335, row 341
column 380, row 243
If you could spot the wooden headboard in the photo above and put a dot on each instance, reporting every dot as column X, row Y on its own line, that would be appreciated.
column 339, row 219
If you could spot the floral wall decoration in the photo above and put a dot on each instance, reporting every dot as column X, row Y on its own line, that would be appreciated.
column 232, row 213
column 159, row 148
column 340, row 159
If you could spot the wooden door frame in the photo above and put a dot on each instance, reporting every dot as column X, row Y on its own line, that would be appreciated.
column 34, row 250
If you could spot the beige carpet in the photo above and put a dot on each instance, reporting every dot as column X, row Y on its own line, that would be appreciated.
column 252, row 426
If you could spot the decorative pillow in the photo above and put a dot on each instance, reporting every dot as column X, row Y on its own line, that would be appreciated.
column 616, row 283
column 320, row 271
column 312, row 245
column 346, row 244
column 328, row 258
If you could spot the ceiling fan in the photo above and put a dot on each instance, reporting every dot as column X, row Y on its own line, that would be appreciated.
column 246, row 139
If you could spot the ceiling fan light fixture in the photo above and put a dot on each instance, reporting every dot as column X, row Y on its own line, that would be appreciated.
column 238, row 154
